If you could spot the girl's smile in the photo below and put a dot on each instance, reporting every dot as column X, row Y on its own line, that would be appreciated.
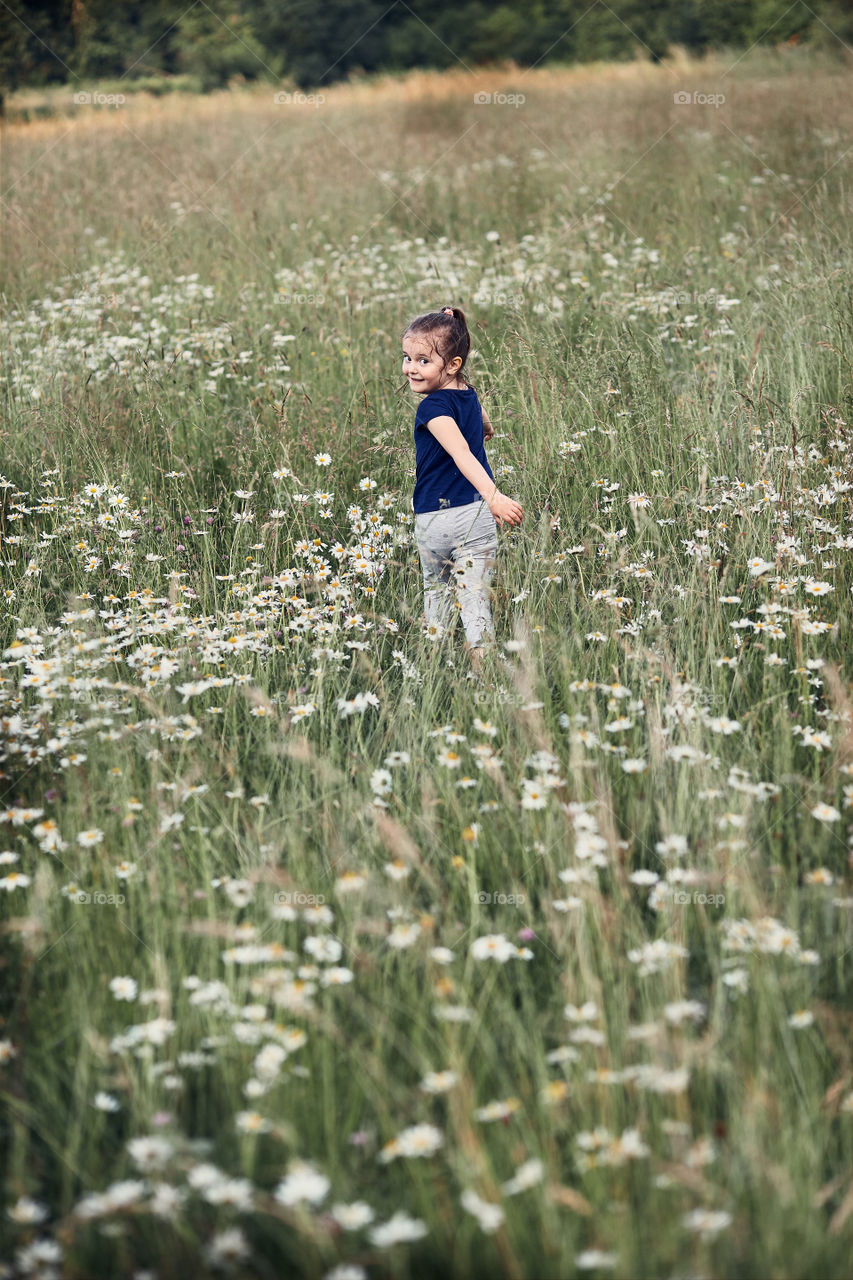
column 422, row 368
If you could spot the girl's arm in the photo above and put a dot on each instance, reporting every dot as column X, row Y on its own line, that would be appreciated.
column 488, row 429
column 448, row 435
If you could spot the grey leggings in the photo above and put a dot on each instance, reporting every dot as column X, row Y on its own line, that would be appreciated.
column 457, row 547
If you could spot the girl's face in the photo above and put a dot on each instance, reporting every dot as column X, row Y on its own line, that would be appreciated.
column 424, row 368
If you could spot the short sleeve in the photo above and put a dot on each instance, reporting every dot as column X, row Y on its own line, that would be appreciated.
column 436, row 405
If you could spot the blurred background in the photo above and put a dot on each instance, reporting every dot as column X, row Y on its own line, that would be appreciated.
column 160, row 45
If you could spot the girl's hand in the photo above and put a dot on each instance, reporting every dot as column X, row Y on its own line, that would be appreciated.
column 506, row 510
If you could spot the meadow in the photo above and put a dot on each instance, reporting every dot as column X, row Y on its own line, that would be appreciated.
column 321, row 957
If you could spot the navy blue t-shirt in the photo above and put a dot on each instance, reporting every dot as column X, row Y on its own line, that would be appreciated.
column 439, row 483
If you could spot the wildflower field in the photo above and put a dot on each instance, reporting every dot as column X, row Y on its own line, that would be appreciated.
column 322, row 957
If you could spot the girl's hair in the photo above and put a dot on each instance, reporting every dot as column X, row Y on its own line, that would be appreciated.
column 448, row 331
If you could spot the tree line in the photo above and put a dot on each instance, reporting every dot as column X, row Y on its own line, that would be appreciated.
column 315, row 42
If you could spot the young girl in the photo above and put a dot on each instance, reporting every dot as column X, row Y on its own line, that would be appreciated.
column 455, row 529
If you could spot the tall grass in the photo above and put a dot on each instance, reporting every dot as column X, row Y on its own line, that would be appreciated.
column 662, row 335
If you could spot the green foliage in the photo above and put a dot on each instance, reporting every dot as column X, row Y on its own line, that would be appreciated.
column 319, row 44
column 215, row 50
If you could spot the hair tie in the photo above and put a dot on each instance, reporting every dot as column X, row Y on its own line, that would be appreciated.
column 448, row 311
